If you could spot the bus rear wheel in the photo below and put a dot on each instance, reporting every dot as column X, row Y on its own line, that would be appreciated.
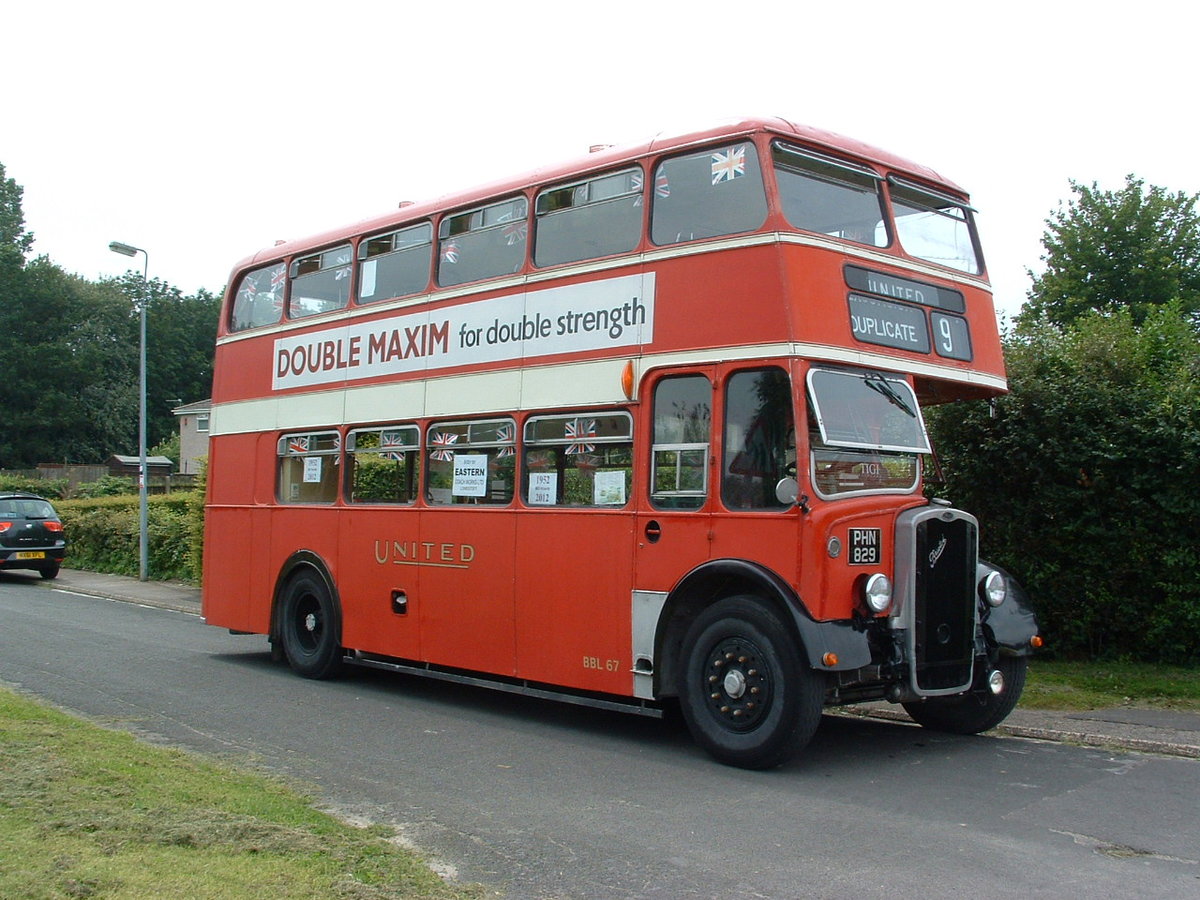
column 310, row 627
column 975, row 712
column 746, row 694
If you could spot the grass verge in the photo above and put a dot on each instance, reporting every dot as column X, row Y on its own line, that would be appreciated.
column 85, row 812
column 1099, row 685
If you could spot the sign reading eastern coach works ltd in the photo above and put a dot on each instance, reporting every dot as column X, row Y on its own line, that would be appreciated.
column 594, row 315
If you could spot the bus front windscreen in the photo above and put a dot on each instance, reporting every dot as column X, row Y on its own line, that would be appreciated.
column 867, row 432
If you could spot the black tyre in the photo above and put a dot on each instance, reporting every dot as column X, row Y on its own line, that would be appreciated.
column 50, row 571
column 975, row 712
column 310, row 626
column 746, row 693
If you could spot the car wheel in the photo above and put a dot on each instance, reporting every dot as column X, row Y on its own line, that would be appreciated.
column 975, row 712
column 746, row 693
column 310, row 626
column 50, row 571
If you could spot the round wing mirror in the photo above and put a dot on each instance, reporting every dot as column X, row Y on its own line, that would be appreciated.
column 787, row 491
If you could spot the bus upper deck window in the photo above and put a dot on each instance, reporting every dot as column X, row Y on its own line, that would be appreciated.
column 829, row 196
column 483, row 243
column 589, row 219
column 714, row 192
column 320, row 282
column 935, row 227
column 259, row 298
column 395, row 264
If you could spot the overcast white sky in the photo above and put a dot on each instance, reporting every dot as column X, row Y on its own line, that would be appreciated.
column 203, row 132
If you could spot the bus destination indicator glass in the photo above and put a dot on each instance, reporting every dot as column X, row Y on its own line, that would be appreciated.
column 896, row 288
column 889, row 324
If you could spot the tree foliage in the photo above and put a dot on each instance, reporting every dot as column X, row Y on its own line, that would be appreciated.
column 1084, row 480
column 15, row 241
column 1137, row 248
column 70, row 350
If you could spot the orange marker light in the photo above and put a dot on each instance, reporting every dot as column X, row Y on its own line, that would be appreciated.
column 830, row 659
column 627, row 379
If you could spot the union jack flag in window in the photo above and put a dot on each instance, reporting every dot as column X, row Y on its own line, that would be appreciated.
column 578, row 432
column 442, row 443
column 515, row 232
column 391, row 443
column 278, row 279
column 450, row 252
column 728, row 165
column 298, row 445
column 506, row 434
column 662, row 188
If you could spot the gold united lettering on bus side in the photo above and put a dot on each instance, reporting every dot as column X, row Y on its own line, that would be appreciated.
column 444, row 555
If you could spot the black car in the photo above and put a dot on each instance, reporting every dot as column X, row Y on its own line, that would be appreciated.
column 31, row 534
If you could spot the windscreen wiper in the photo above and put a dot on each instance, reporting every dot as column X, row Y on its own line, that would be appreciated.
column 879, row 384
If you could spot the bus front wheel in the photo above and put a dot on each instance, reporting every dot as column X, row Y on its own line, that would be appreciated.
column 745, row 692
column 309, row 627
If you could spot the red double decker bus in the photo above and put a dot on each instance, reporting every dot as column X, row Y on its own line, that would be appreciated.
column 640, row 429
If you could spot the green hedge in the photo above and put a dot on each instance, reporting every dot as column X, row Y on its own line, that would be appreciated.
column 51, row 488
column 1085, row 481
column 103, row 535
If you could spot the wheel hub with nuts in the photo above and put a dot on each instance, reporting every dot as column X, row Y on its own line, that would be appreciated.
column 737, row 684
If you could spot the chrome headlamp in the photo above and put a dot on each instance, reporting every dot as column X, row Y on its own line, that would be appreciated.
column 993, row 588
column 877, row 592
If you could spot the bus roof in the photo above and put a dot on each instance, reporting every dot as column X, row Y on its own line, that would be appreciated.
column 600, row 160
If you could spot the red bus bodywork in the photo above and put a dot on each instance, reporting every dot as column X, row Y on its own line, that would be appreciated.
column 596, row 603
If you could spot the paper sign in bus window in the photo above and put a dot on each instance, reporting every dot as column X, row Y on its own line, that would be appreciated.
column 312, row 470
column 609, row 489
column 470, row 475
column 543, row 488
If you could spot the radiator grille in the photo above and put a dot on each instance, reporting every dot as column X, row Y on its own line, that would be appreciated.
column 944, row 603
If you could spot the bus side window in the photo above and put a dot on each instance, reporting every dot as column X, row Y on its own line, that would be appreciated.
column 582, row 459
column 830, row 196
column 717, row 191
column 320, row 283
column 682, row 434
column 589, row 219
column 395, row 264
column 308, row 467
column 471, row 462
column 259, row 299
column 483, row 243
column 760, row 438
column 383, row 465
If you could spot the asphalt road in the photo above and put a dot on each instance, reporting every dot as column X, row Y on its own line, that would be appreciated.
column 541, row 800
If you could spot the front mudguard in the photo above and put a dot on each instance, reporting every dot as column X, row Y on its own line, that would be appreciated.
column 1010, row 627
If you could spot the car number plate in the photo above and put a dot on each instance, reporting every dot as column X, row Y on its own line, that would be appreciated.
column 31, row 554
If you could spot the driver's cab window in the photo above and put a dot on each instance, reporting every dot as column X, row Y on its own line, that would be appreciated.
column 760, row 439
column 682, row 435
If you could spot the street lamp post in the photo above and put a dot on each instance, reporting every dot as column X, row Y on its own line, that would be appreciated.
column 143, row 538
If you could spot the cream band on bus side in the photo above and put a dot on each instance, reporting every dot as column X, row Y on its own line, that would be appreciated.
column 594, row 315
